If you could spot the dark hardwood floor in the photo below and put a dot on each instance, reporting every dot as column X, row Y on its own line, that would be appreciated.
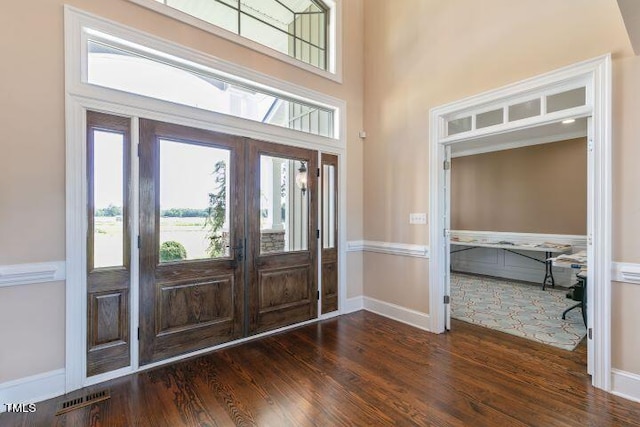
column 358, row 369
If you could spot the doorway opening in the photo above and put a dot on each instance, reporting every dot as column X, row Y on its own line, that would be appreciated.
column 513, row 211
column 530, row 104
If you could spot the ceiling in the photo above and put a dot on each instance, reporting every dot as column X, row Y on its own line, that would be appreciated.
column 630, row 10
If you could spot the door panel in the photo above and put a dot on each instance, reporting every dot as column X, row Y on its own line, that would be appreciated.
column 191, row 292
column 329, row 226
column 282, row 236
column 108, row 247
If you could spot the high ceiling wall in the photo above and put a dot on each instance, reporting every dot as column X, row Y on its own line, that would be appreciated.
column 420, row 54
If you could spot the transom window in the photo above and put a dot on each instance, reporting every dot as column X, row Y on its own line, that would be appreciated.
column 297, row 28
column 126, row 66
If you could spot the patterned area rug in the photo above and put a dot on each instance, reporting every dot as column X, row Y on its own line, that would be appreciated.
column 517, row 308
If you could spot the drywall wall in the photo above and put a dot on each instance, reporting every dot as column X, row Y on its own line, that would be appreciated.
column 31, row 316
column 32, row 169
column 396, row 277
column 535, row 189
column 421, row 54
column 625, row 319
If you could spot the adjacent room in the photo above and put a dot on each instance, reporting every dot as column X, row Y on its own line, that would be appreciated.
column 514, row 206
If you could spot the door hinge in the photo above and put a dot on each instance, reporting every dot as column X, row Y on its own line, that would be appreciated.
column 590, row 333
column 446, row 299
column 138, row 334
column 318, row 172
column 317, row 295
column 317, row 234
column 445, row 232
column 138, row 150
column 446, row 165
column 139, row 242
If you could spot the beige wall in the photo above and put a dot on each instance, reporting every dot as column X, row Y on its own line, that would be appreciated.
column 420, row 54
column 32, row 319
column 625, row 318
column 32, row 167
column 535, row 189
column 393, row 284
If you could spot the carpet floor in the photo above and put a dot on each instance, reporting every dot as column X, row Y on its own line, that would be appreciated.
column 517, row 308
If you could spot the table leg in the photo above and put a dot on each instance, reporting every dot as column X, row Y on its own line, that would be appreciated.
column 564, row 313
column 548, row 272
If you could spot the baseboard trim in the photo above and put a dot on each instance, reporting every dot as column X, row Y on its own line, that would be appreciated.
column 390, row 248
column 26, row 274
column 625, row 272
column 625, row 384
column 32, row 389
column 353, row 304
column 401, row 314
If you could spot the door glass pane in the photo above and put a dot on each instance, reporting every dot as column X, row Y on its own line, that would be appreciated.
column 328, row 206
column 194, row 200
column 108, row 199
column 284, row 205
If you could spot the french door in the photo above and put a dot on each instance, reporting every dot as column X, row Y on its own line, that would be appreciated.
column 228, row 243
column 191, row 282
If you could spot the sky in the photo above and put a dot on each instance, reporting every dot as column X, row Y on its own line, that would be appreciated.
column 186, row 177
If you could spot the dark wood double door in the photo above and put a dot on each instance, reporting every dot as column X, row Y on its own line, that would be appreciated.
column 250, row 266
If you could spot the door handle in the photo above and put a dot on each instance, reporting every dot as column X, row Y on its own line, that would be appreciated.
column 238, row 253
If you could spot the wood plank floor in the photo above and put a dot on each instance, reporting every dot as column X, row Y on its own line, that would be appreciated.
column 358, row 369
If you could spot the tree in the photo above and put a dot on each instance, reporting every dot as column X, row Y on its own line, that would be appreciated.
column 216, row 212
column 110, row 210
column 172, row 251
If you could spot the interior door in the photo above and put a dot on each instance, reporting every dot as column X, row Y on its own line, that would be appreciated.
column 591, row 284
column 447, row 241
column 329, row 232
column 191, row 234
column 282, row 249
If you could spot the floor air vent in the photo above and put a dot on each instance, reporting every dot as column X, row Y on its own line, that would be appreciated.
column 86, row 400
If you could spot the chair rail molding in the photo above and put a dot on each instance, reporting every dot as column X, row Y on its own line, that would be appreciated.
column 390, row 248
column 27, row 274
column 625, row 272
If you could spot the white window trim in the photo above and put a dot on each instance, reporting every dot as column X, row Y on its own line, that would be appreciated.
column 79, row 23
column 334, row 44
column 81, row 96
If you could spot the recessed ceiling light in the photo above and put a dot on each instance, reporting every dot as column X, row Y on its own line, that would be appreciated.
column 568, row 121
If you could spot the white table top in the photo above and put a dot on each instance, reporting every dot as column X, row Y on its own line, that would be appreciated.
column 577, row 260
column 554, row 248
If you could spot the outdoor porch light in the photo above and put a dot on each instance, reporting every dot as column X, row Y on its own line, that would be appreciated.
column 301, row 178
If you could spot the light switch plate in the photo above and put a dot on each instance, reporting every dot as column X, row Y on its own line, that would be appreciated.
column 418, row 218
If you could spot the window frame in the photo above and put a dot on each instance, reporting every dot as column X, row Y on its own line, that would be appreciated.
column 82, row 26
column 333, row 42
